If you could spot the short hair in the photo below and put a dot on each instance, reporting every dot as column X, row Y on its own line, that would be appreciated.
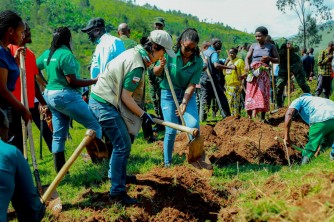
column 262, row 29
column 331, row 43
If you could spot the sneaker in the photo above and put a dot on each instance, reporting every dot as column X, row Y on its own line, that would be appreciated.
column 305, row 160
column 331, row 155
column 122, row 198
column 131, row 179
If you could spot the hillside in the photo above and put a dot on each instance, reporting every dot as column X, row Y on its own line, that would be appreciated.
column 45, row 15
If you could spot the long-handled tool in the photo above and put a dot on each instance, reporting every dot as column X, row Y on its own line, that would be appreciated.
column 288, row 46
column 215, row 90
column 192, row 131
column 196, row 151
column 89, row 137
column 30, row 135
column 41, row 136
column 23, row 83
column 275, row 110
column 293, row 146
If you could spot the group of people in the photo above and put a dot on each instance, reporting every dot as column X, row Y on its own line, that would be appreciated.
column 116, row 105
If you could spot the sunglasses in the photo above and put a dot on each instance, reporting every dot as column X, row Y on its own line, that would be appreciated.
column 188, row 49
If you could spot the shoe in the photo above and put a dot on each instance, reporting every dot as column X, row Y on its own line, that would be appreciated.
column 59, row 160
column 152, row 139
column 305, row 160
column 168, row 165
column 131, row 179
column 331, row 155
column 122, row 198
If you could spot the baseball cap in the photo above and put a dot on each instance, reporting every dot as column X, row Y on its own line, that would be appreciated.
column 162, row 38
column 94, row 23
column 159, row 20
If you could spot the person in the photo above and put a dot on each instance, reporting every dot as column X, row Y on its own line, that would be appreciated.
column 319, row 114
column 117, row 102
column 16, row 184
column 11, row 32
column 308, row 64
column 258, row 87
column 108, row 47
column 310, row 54
column 325, row 58
column 33, row 90
column 155, row 90
column 296, row 67
column 185, row 72
column 233, row 79
column 63, row 94
column 215, row 69
column 124, row 34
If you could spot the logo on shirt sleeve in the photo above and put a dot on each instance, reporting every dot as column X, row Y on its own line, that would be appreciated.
column 135, row 80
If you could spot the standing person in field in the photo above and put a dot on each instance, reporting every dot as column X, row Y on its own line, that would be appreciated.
column 258, row 87
column 325, row 58
column 11, row 32
column 185, row 72
column 16, row 184
column 308, row 64
column 33, row 89
column 233, row 79
column 63, row 92
column 215, row 68
column 310, row 53
column 124, row 34
column 117, row 101
column 319, row 114
column 107, row 48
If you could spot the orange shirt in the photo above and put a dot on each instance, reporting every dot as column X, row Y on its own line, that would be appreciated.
column 31, row 71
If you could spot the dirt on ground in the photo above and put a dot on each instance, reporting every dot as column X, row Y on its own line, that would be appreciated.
column 181, row 193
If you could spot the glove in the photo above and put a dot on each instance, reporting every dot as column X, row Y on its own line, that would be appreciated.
column 147, row 118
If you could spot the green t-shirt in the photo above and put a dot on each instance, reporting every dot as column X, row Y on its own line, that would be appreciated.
column 181, row 75
column 62, row 63
column 128, row 43
column 131, row 81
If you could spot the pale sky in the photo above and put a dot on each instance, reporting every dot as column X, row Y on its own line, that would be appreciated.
column 243, row 15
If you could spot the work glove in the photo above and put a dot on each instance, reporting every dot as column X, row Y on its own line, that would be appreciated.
column 147, row 118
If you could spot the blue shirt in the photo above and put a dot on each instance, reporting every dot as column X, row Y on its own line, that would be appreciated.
column 214, row 56
column 8, row 62
column 314, row 109
column 108, row 48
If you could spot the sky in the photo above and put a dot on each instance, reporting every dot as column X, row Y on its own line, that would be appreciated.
column 243, row 15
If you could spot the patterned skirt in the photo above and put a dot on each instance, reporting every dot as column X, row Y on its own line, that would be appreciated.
column 233, row 95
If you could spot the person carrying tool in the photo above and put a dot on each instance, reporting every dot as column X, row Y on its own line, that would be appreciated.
column 325, row 58
column 33, row 89
column 233, row 79
column 215, row 69
column 296, row 67
column 16, row 184
column 63, row 92
column 319, row 114
column 258, row 83
column 185, row 72
column 117, row 102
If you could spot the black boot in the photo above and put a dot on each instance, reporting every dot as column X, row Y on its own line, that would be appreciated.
column 59, row 160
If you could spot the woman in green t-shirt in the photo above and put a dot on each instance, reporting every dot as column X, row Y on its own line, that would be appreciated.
column 63, row 92
column 185, row 72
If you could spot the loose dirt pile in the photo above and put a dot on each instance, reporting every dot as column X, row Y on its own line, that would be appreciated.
column 247, row 141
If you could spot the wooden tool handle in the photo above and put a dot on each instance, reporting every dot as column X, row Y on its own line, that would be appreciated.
column 89, row 136
column 192, row 131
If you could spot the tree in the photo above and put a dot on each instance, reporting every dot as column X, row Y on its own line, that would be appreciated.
column 315, row 9
column 311, row 30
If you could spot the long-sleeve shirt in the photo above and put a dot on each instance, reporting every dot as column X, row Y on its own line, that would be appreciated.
column 324, row 63
column 108, row 48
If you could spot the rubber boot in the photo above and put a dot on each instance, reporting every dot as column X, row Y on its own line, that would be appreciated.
column 59, row 160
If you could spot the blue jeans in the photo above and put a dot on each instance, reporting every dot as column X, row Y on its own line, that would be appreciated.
column 67, row 104
column 115, row 129
column 168, row 110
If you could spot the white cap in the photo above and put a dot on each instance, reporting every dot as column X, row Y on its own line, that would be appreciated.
column 162, row 38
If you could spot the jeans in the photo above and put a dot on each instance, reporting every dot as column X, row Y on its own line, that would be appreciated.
column 168, row 110
column 115, row 129
column 64, row 105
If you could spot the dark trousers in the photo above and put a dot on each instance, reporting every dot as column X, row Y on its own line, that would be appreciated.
column 324, row 85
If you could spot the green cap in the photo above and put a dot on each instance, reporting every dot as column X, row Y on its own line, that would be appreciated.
column 159, row 20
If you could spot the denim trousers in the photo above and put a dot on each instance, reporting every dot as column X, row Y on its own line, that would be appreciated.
column 168, row 110
column 115, row 129
column 64, row 105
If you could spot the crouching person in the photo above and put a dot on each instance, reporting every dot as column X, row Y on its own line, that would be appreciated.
column 116, row 101
column 319, row 114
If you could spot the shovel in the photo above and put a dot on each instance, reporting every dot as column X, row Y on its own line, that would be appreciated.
column 24, row 98
column 196, row 152
column 288, row 45
column 55, row 206
column 192, row 131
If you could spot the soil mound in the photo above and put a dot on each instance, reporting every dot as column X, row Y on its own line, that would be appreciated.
column 249, row 141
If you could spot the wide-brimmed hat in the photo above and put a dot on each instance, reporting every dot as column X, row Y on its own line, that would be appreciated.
column 164, row 39
column 159, row 20
column 94, row 23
